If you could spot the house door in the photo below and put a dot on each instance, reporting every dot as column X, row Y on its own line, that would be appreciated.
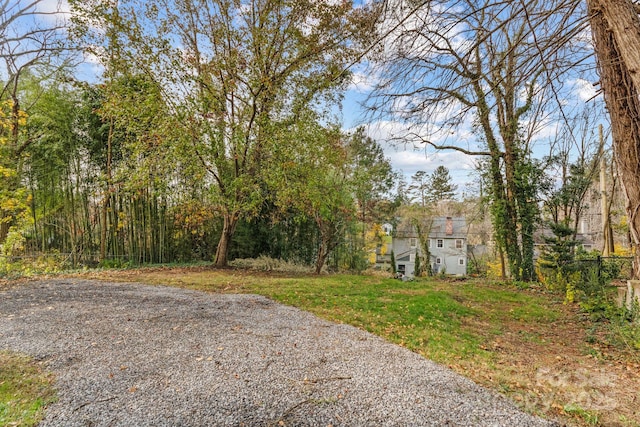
column 401, row 269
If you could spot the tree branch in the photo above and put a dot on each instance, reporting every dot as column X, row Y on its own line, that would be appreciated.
column 453, row 147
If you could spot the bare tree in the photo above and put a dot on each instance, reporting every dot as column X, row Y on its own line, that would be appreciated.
column 571, row 167
column 31, row 34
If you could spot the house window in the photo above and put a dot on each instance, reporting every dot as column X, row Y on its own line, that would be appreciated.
column 401, row 269
column 458, row 243
column 440, row 243
column 460, row 261
column 438, row 260
column 413, row 242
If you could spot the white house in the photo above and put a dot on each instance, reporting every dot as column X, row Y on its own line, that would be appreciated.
column 447, row 243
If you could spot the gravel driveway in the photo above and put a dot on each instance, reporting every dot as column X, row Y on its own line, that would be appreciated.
column 136, row 355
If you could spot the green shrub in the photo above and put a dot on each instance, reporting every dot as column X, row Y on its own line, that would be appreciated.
column 624, row 331
column 115, row 263
column 24, row 266
column 356, row 261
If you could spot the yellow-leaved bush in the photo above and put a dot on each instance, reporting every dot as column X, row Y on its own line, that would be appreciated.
column 15, row 212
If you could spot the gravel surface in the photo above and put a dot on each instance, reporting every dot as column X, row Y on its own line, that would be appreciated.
column 136, row 355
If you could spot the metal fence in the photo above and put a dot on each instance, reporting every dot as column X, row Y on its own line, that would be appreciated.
column 607, row 268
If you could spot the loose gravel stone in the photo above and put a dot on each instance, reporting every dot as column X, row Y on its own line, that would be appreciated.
column 136, row 355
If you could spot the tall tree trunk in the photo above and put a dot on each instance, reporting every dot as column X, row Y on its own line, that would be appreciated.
column 329, row 240
column 616, row 32
column 504, row 209
column 228, row 230
column 323, row 253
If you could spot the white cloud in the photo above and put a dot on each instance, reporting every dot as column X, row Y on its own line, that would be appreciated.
column 585, row 89
column 363, row 82
column 411, row 161
column 53, row 12
column 91, row 68
column 409, row 154
column 422, row 32
column 51, row 6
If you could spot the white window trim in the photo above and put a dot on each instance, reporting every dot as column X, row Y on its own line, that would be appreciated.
column 461, row 261
column 440, row 243
column 461, row 243
column 438, row 260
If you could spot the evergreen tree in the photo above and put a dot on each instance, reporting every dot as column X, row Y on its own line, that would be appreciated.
column 559, row 252
column 372, row 178
column 401, row 196
column 440, row 186
column 393, row 263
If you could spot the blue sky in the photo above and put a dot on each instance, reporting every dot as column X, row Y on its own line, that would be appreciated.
column 406, row 158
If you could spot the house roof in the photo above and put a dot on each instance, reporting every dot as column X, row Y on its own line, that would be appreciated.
column 545, row 232
column 439, row 228
column 456, row 230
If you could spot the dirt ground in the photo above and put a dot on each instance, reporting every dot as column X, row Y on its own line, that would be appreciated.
column 565, row 370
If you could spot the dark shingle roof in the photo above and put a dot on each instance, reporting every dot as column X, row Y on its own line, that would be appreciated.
column 438, row 228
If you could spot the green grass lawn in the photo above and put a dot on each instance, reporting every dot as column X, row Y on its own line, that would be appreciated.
column 437, row 319
column 24, row 390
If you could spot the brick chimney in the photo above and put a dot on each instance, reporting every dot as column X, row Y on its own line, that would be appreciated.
column 449, row 226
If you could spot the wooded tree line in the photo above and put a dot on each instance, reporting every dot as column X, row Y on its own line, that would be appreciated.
column 117, row 192
column 212, row 135
column 212, row 122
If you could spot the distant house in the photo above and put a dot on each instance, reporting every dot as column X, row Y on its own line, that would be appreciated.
column 584, row 239
column 447, row 240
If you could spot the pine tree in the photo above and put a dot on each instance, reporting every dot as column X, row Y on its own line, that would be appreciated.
column 440, row 186
column 559, row 251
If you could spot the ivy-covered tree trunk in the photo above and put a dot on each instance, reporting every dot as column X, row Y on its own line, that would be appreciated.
column 503, row 207
column 512, row 193
column 423, row 224
column 528, row 177
column 615, row 27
